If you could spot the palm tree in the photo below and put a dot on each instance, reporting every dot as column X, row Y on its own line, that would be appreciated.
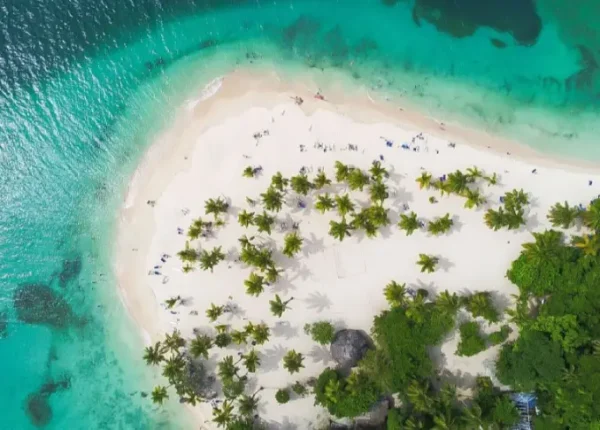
column 247, row 405
column 214, row 312
column 377, row 172
column 344, row 205
column 245, row 218
column 339, row 230
column 173, row 341
column 272, row 200
column 361, row 220
column 223, row 415
column 515, row 200
column 153, row 354
column 563, row 215
column 279, row 182
column 239, row 336
column 342, row 171
column 255, row 284
column 264, row 222
column 248, row 172
column 474, row 173
column 357, row 180
column 588, row 243
column 474, row 198
column 591, row 216
column 292, row 244
column 378, row 192
column 418, row 397
column 408, row 223
column 215, row 207
column 272, row 274
column 260, row 333
column 292, row 361
column 448, row 303
column 492, row 180
column 457, row 182
column 301, row 184
column 415, row 309
column 222, row 340
column 159, row 395
column 480, row 305
column 427, row 263
column 440, row 225
column 424, row 180
column 196, row 228
column 321, row 180
column 395, row 294
column 200, row 345
column 173, row 369
column 495, row 219
column 278, row 307
column 208, row 260
column 324, row 203
column 172, row 301
column 188, row 254
column 378, row 216
column 227, row 369
column 545, row 246
column 245, row 241
column 251, row 360
column 442, row 186
column 472, row 417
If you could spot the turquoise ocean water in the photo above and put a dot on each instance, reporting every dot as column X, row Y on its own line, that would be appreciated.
column 84, row 85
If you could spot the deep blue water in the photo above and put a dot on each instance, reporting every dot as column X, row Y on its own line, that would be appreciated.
column 85, row 85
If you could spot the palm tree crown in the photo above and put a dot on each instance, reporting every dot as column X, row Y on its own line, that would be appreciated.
column 591, row 216
column 153, row 354
column 321, row 180
column 344, row 205
column 339, row 230
column 292, row 244
column 377, row 172
column 260, row 333
column 440, row 225
column 223, row 415
column 200, row 346
column 324, row 203
column 563, row 215
column 215, row 207
column 159, row 395
column 395, row 294
column 272, row 200
column 214, row 312
column 424, row 180
column 254, row 284
column 264, row 222
column 427, row 263
column 279, row 182
column 408, row 223
column 251, row 361
column 278, row 307
column 245, row 218
column 209, row 259
column 301, row 184
column 292, row 361
column 378, row 192
column 342, row 171
column 357, row 180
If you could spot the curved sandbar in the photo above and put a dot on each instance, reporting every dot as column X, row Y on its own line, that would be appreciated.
column 203, row 156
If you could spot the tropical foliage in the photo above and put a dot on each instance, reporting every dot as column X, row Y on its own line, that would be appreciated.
column 321, row 332
column 471, row 340
column 427, row 263
column 409, row 223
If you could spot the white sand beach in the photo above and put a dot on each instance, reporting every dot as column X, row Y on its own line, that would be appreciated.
column 202, row 155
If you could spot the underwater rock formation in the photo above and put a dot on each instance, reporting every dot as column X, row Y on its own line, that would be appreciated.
column 39, row 304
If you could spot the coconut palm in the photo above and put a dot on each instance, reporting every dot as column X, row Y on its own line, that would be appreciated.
column 260, row 333
column 344, row 205
column 227, row 369
column 272, row 200
column 255, row 284
column 215, row 207
column 239, row 337
column 378, row 192
column 440, row 225
column 361, row 219
column 339, row 230
column 200, row 345
column 495, row 219
column 272, row 274
column 473, row 198
column 515, row 200
column 247, row 406
column 415, row 309
column 418, row 396
column 209, row 259
column 245, row 218
column 342, row 171
column 188, row 254
column 588, row 243
column 492, row 180
column 427, row 263
column 264, row 222
column 474, row 173
column 357, row 180
column 395, row 294
column 377, row 172
column 245, row 241
column 591, row 216
column 173, row 369
column 480, row 305
column 278, row 182
column 563, row 215
column 153, row 354
column 301, row 184
column 214, row 312
column 409, row 223
column 378, row 215
column 278, row 307
column 292, row 361
column 251, row 361
column 196, row 228
column 457, row 182
column 447, row 303
column 223, row 415
column 424, row 180
column 321, row 180
column 222, row 340
column 173, row 342
column 544, row 247
column 292, row 244
column 472, row 417
column 324, row 203
column 172, row 301
column 159, row 395
column 442, row 186
column 248, row 172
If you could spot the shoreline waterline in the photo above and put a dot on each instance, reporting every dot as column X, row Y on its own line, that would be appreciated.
column 239, row 91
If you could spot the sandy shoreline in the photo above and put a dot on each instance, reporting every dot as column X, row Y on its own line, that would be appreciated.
column 200, row 156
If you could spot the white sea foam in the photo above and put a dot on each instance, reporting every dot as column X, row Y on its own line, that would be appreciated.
column 207, row 92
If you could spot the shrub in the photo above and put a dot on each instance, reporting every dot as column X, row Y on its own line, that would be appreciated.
column 321, row 332
column 299, row 389
column 480, row 305
column 282, row 395
column 394, row 420
column 345, row 397
column 471, row 341
column 499, row 336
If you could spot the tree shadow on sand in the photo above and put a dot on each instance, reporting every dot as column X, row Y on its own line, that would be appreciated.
column 284, row 329
column 271, row 358
column 320, row 354
column 318, row 301
column 285, row 424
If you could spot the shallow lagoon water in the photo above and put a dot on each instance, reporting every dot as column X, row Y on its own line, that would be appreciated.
column 84, row 86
